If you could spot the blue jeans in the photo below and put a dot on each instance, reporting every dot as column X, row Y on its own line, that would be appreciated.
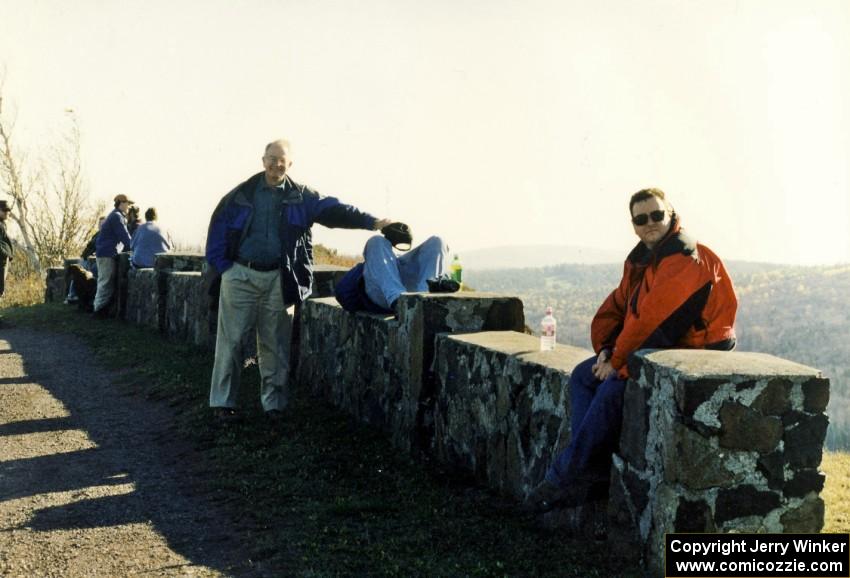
column 387, row 276
column 597, row 415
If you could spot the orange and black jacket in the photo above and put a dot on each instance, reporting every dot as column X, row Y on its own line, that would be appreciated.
column 677, row 295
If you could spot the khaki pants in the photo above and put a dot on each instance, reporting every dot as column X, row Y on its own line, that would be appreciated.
column 105, row 282
column 251, row 299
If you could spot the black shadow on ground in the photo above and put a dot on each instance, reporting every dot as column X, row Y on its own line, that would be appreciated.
column 133, row 444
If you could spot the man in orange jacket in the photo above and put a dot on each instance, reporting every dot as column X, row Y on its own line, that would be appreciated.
column 674, row 293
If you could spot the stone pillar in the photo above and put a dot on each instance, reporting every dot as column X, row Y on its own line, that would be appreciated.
column 423, row 316
column 503, row 406
column 143, row 297
column 119, row 299
column 165, row 264
column 716, row 442
column 55, row 289
column 381, row 369
column 183, row 320
column 325, row 279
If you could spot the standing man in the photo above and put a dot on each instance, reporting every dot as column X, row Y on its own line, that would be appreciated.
column 5, row 245
column 260, row 242
column 148, row 240
column 674, row 293
column 112, row 238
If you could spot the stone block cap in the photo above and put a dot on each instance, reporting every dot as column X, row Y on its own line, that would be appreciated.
column 703, row 363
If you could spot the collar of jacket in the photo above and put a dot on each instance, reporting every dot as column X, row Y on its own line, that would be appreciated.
column 675, row 241
column 293, row 192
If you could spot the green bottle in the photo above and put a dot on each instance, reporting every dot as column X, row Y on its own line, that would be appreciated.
column 456, row 270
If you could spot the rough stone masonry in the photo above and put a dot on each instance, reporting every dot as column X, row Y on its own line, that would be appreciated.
column 717, row 442
column 711, row 442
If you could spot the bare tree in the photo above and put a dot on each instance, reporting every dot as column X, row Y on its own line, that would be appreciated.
column 51, row 200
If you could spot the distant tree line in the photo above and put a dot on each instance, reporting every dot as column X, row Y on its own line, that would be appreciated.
column 797, row 313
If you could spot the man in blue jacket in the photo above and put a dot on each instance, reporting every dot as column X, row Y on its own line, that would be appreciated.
column 112, row 238
column 260, row 242
column 148, row 240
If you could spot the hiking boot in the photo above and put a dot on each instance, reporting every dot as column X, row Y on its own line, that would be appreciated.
column 443, row 284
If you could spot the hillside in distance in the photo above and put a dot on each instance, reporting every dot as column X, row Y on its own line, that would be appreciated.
column 519, row 256
column 794, row 312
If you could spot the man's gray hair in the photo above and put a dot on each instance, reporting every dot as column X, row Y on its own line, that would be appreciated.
column 282, row 142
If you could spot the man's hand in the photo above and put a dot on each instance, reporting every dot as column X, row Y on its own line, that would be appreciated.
column 602, row 369
column 381, row 223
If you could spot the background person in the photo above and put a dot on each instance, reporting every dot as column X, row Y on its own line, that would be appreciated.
column 88, row 251
column 674, row 293
column 260, row 242
column 149, row 240
column 6, row 248
column 112, row 238
column 133, row 220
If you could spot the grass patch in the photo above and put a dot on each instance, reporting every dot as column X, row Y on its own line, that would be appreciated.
column 322, row 495
column 836, row 491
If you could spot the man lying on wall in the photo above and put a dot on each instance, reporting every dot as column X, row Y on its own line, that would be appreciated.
column 375, row 284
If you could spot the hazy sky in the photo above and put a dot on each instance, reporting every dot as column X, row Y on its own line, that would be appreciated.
column 488, row 122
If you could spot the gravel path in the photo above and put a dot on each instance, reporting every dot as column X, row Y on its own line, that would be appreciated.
column 93, row 479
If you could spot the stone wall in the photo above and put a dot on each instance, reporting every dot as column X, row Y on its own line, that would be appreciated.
column 717, row 442
column 712, row 441
column 503, row 407
column 380, row 368
column 55, row 285
column 143, row 297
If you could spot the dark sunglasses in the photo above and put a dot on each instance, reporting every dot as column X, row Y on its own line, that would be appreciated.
column 643, row 218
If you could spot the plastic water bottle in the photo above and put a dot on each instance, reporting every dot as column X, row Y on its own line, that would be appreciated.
column 547, row 331
column 456, row 269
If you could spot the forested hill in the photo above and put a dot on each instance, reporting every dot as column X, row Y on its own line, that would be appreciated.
column 798, row 313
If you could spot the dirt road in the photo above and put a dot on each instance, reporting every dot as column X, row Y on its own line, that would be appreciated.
column 93, row 479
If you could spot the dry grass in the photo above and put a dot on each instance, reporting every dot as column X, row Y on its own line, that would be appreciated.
column 326, row 256
column 24, row 285
column 836, row 492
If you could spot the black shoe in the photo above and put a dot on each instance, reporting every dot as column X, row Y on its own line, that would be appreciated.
column 274, row 415
column 547, row 496
column 443, row 284
column 226, row 415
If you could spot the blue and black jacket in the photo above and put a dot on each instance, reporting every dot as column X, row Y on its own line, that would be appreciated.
column 302, row 207
column 113, row 232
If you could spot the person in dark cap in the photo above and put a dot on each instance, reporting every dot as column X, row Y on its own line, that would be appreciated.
column 112, row 238
column 5, row 244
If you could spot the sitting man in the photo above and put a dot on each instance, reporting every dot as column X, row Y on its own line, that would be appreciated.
column 85, row 286
column 674, row 293
column 148, row 240
column 375, row 284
